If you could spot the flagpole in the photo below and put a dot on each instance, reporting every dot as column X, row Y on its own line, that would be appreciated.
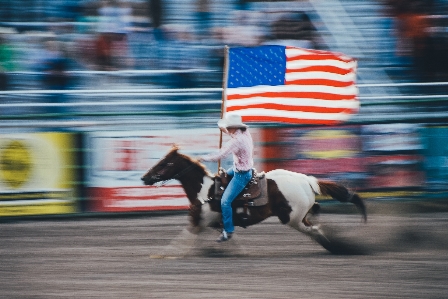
column 224, row 89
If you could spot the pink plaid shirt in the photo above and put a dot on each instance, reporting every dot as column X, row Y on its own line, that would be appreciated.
column 242, row 148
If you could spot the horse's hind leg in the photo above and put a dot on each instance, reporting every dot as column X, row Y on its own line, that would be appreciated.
column 312, row 231
column 302, row 224
column 306, row 221
column 313, row 211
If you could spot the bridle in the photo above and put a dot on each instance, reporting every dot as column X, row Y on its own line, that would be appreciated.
column 175, row 177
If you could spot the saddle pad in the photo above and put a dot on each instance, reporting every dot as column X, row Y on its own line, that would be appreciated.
column 262, row 199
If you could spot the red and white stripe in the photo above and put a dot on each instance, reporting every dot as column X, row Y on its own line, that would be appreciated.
column 319, row 89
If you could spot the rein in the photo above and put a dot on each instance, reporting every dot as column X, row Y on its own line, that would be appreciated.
column 180, row 174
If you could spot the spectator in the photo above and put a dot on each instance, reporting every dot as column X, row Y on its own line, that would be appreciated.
column 244, row 30
column 412, row 33
column 242, row 4
column 156, row 16
column 114, row 22
column 180, row 55
column 103, row 51
column 55, row 67
column 6, row 62
column 203, row 13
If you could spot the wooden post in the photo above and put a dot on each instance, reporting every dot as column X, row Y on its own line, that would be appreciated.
column 224, row 89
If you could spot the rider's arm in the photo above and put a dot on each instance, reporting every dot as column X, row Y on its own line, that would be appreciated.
column 227, row 149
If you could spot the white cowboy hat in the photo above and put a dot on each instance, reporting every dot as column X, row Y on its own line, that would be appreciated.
column 231, row 121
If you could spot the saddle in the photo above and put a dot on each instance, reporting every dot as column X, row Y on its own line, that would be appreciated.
column 253, row 195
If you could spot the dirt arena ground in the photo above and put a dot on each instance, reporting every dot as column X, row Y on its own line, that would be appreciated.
column 394, row 255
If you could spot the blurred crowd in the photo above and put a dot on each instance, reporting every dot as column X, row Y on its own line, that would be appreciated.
column 105, row 35
column 110, row 35
column 421, row 32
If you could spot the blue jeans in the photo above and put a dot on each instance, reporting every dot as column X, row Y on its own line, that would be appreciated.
column 236, row 185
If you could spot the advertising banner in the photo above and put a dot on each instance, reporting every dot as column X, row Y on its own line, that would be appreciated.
column 37, row 173
column 394, row 156
column 379, row 157
column 324, row 152
column 117, row 160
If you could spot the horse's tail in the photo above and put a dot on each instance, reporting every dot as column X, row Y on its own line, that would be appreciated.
column 342, row 194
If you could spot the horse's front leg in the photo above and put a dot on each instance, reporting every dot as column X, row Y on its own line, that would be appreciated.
column 208, row 217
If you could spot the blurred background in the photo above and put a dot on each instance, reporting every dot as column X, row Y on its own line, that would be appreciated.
column 92, row 93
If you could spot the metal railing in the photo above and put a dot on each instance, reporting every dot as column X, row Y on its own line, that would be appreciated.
column 131, row 103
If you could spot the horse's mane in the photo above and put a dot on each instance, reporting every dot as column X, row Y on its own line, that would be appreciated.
column 175, row 150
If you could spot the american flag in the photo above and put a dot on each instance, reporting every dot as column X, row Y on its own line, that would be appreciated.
column 290, row 85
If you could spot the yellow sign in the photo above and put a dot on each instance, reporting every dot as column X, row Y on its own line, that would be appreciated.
column 15, row 163
column 329, row 144
column 37, row 174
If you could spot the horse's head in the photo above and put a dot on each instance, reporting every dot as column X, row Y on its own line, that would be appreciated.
column 172, row 166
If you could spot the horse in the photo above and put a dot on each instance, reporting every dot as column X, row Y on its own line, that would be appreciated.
column 291, row 195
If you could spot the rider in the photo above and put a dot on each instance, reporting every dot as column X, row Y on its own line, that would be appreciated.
column 241, row 146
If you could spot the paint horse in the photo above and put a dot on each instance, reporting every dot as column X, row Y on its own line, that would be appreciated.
column 291, row 195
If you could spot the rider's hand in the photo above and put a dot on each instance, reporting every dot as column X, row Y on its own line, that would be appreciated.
column 224, row 130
